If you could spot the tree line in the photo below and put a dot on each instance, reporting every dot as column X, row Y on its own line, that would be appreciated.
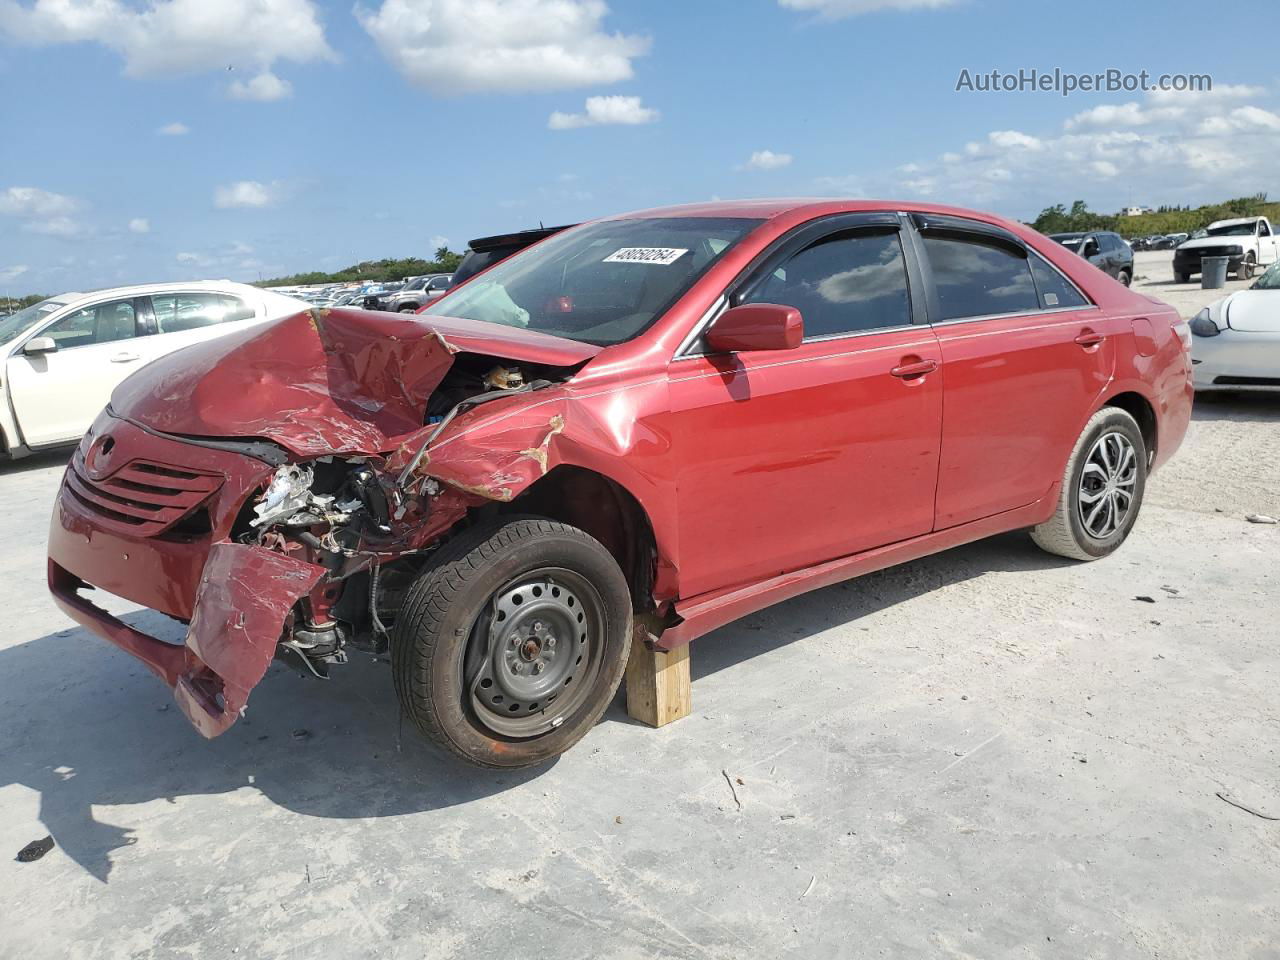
column 376, row 271
column 1165, row 220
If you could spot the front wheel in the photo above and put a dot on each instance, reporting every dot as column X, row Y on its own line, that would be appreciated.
column 1102, row 489
column 1246, row 268
column 1125, row 278
column 513, row 642
column 407, row 308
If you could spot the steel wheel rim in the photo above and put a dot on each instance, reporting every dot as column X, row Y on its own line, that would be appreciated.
column 534, row 652
column 1107, row 485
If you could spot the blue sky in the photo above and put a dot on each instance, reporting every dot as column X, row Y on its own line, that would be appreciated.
column 346, row 133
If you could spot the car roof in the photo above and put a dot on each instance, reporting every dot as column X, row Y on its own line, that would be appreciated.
column 145, row 289
column 1233, row 222
column 771, row 208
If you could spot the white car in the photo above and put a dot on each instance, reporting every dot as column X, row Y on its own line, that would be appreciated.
column 1236, row 340
column 63, row 356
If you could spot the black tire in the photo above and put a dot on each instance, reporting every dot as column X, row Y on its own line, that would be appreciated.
column 1181, row 277
column 1066, row 533
column 439, row 643
column 407, row 308
column 1124, row 277
column 1246, row 268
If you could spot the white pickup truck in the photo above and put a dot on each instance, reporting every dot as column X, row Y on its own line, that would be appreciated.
column 1247, row 242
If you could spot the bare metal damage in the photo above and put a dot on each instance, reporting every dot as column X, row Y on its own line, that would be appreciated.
column 377, row 473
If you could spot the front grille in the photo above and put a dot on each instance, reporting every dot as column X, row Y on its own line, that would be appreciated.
column 1197, row 253
column 142, row 498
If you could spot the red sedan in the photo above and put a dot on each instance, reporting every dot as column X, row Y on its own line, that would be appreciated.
column 633, row 432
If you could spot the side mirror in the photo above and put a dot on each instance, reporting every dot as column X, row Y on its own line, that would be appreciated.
column 39, row 345
column 756, row 326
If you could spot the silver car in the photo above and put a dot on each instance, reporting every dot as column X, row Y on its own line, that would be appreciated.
column 1236, row 340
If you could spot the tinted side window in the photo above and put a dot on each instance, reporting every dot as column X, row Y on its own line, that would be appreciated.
column 842, row 284
column 1056, row 291
column 975, row 278
column 104, row 323
column 189, row 311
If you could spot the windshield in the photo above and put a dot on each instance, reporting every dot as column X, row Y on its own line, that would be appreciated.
column 1235, row 230
column 1071, row 243
column 1269, row 280
column 602, row 283
column 12, row 326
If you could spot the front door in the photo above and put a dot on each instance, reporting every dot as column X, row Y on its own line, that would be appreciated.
column 785, row 459
column 56, row 395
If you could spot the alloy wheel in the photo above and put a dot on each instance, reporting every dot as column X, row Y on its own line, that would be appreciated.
column 1107, row 485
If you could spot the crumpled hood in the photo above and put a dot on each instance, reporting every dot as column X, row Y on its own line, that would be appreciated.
column 321, row 381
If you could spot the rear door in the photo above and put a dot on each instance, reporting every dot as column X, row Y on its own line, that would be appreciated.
column 785, row 459
column 57, row 395
column 1026, row 357
column 181, row 318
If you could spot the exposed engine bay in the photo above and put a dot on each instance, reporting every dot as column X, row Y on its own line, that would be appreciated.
column 369, row 525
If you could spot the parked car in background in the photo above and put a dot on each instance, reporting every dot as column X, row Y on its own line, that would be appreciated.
column 63, row 357
column 1105, row 250
column 415, row 293
column 644, row 427
column 1246, row 242
column 483, row 252
column 1236, row 343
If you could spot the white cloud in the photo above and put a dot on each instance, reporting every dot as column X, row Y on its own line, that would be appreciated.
column 243, row 193
column 1178, row 148
column 139, row 225
column 173, row 130
column 41, row 211
column 767, row 160
column 603, row 111
column 264, row 88
column 54, row 227
column 9, row 274
column 34, row 202
column 839, row 9
column 176, row 36
column 485, row 46
column 438, row 241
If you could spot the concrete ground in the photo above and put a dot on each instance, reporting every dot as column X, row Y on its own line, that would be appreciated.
column 988, row 753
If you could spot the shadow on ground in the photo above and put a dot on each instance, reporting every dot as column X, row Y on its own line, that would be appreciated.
column 90, row 727
column 1240, row 406
column 36, row 461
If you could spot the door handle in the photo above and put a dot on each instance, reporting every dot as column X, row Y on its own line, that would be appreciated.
column 911, row 369
column 1088, row 338
column 126, row 357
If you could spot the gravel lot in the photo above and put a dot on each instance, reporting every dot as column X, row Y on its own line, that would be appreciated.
column 988, row 753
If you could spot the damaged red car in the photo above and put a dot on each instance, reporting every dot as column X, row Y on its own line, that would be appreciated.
column 634, row 431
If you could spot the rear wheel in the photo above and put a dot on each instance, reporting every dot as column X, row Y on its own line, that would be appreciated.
column 1102, row 489
column 1124, row 277
column 511, row 645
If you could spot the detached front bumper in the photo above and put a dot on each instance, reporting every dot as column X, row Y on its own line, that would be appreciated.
column 148, row 518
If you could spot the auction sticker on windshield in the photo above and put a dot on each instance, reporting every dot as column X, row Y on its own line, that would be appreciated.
column 662, row 256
